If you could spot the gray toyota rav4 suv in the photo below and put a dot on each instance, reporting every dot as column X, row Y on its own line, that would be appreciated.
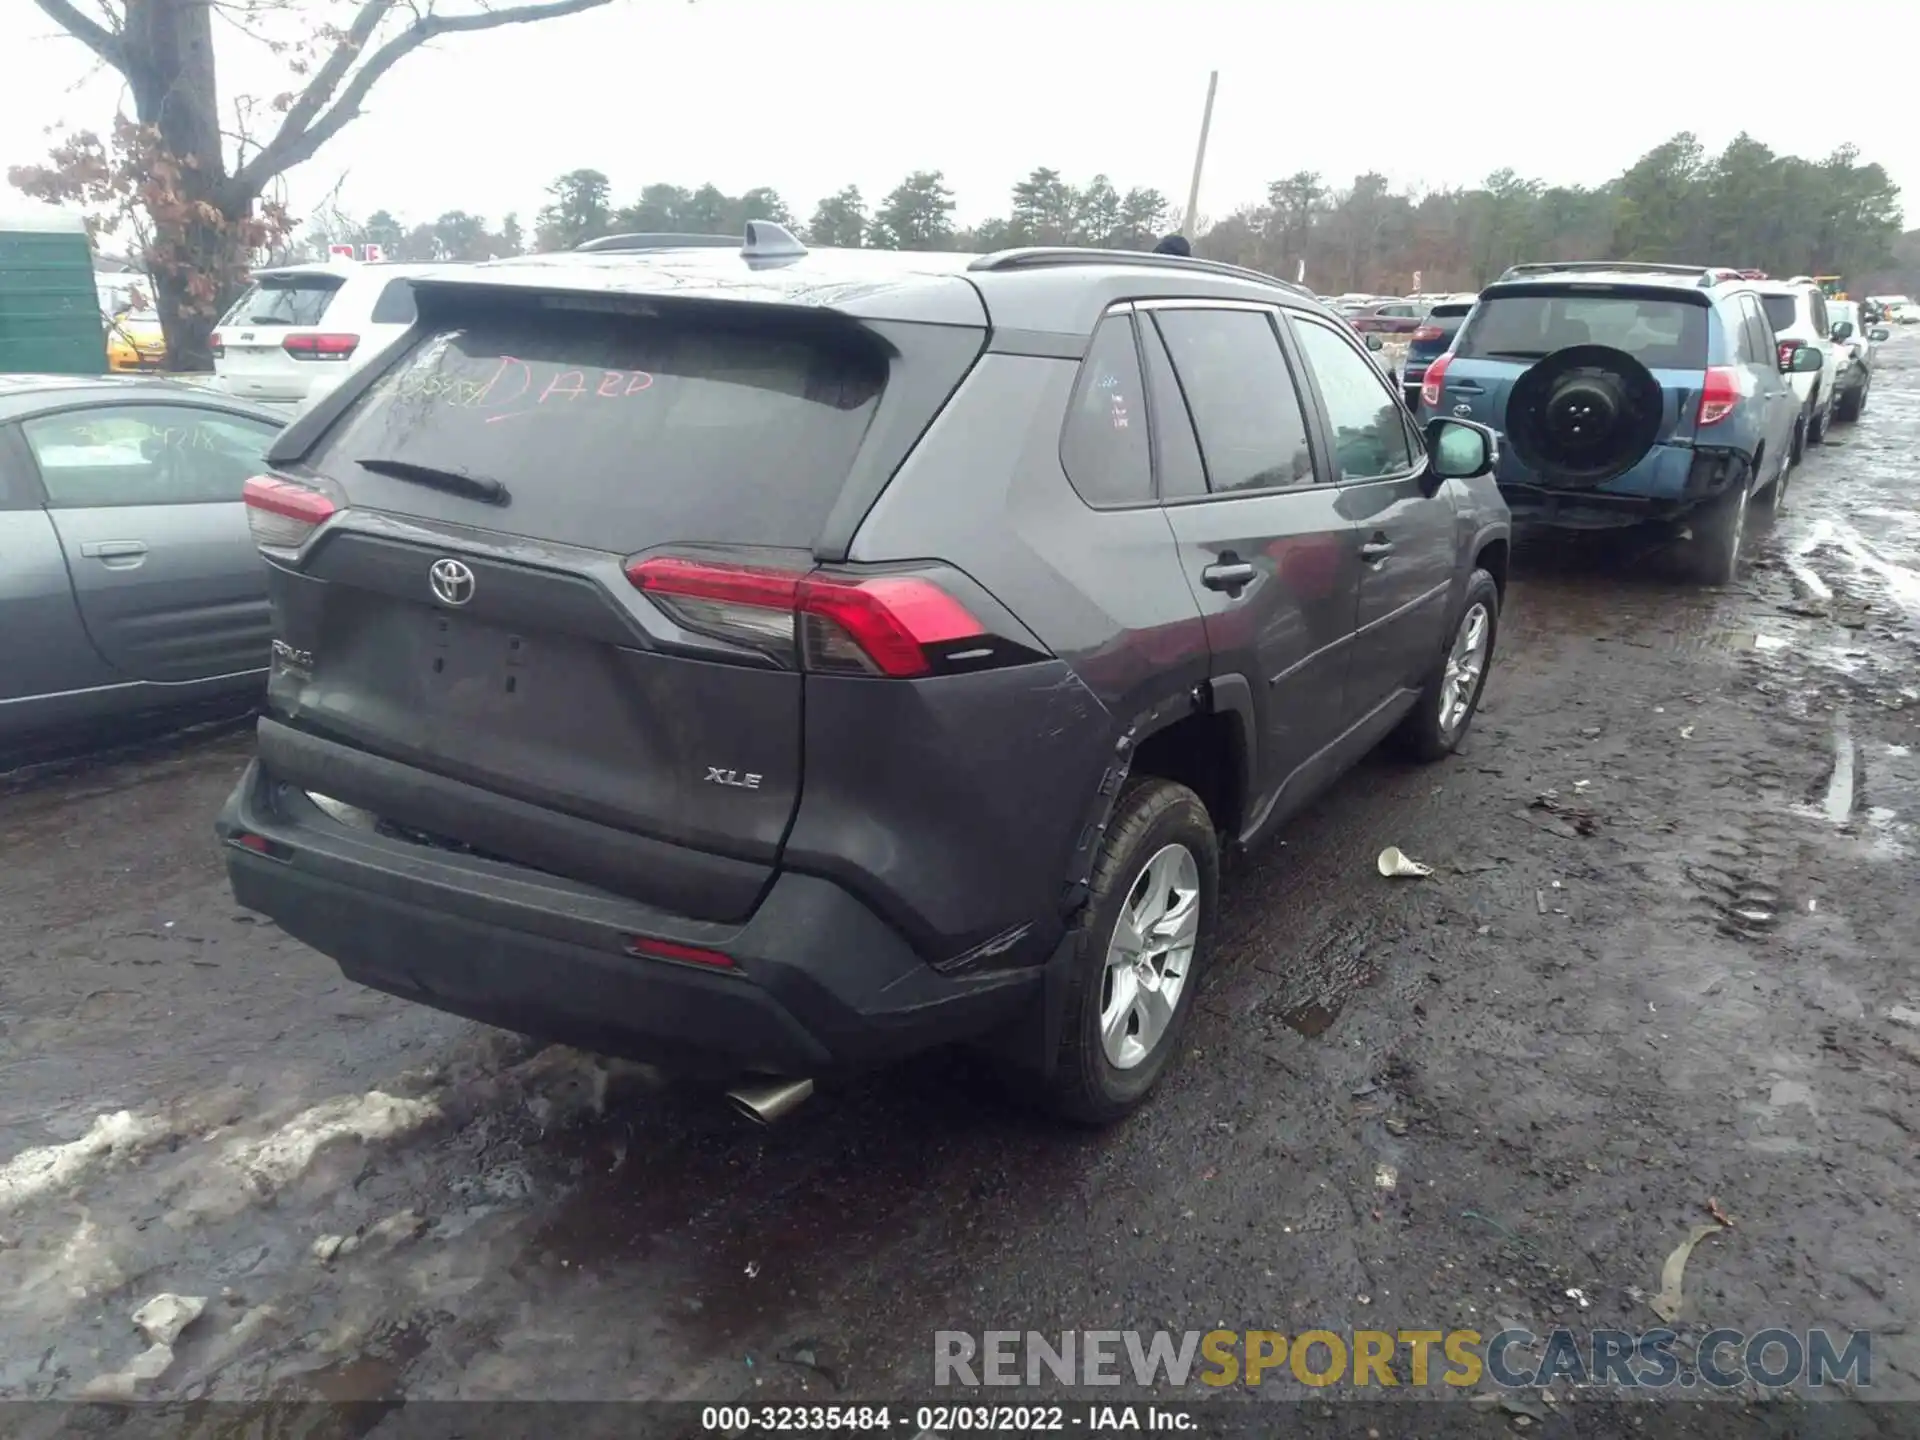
column 766, row 662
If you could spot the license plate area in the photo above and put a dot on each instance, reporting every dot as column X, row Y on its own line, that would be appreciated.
column 470, row 665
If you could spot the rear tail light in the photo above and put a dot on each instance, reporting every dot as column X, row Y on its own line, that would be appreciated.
column 1431, row 382
column 1428, row 333
column 320, row 347
column 283, row 513
column 218, row 344
column 1787, row 347
column 898, row 625
column 1719, row 394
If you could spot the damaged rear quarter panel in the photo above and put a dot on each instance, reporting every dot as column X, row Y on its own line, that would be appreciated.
column 1020, row 754
column 951, row 804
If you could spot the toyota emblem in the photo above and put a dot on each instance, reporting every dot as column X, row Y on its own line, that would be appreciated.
column 452, row 582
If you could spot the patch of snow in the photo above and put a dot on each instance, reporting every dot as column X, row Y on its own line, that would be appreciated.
column 33, row 1173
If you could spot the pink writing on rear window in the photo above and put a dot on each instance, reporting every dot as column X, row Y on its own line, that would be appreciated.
column 520, row 387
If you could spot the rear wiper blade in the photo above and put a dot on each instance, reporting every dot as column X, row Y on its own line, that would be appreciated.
column 1517, row 354
column 474, row 487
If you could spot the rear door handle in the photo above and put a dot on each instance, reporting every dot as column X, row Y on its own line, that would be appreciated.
column 1228, row 575
column 1376, row 550
column 113, row 549
column 1466, row 387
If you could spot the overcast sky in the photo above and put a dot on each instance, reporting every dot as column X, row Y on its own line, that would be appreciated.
column 810, row 95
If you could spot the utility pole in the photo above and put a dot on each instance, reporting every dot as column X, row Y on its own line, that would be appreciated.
column 1199, row 157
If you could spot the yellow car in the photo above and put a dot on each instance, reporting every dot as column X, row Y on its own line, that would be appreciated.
column 134, row 341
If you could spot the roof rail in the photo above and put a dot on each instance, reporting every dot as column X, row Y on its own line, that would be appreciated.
column 1036, row 257
column 765, row 240
column 1703, row 275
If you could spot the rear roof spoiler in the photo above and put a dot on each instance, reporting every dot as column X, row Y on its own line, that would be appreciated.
column 1034, row 257
column 764, row 240
column 1703, row 276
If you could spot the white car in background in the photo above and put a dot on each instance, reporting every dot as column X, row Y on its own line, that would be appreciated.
column 302, row 329
column 1859, row 346
column 1797, row 311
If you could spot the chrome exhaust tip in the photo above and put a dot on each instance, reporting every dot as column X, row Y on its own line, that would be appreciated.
column 775, row 1100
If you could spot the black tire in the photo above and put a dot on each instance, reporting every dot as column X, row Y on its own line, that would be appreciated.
column 1424, row 734
column 1850, row 405
column 1152, row 814
column 1797, row 451
column 1719, row 536
column 1817, row 423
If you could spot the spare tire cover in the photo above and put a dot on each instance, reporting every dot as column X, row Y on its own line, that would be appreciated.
column 1584, row 415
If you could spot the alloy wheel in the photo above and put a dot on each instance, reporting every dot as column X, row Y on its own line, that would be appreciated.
column 1150, row 956
column 1466, row 662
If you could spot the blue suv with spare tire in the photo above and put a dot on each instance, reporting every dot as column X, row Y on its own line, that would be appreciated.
column 1628, row 395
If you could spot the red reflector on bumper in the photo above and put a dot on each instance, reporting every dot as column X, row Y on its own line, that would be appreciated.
column 652, row 949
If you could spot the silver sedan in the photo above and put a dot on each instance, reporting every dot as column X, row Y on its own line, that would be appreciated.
column 129, row 581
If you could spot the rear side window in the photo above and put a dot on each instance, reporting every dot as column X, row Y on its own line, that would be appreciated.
column 1737, row 343
column 1759, row 332
column 395, row 305
column 1782, row 311
column 1182, row 475
column 285, row 300
column 1104, row 448
column 1246, row 408
column 1659, row 333
column 119, row 455
column 622, row 433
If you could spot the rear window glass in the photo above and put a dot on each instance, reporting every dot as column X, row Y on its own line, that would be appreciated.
column 1659, row 333
column 1781, row 310
column 299, row 300
column 620, row 432
column 395, row 305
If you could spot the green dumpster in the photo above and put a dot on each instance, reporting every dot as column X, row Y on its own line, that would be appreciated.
column 49, row 309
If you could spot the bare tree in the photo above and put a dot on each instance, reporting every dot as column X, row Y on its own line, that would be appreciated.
column 207, row 205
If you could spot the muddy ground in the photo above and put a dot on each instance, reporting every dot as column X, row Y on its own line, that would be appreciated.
column 1665, row 964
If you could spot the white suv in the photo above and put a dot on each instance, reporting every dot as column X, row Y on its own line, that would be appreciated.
column 1797, row 310
column 302, row 329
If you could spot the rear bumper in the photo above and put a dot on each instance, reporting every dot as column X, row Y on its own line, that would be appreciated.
column 1669, row 483
column 819, row 983
column 274, row 386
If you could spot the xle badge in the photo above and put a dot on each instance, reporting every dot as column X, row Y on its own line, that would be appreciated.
column 717, row 776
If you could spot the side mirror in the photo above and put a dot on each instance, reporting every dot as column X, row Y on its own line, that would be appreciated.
column 1879, row 332
column 1460, row 450
column 1374, row 342
column 1806, row 360
column 1842, row 329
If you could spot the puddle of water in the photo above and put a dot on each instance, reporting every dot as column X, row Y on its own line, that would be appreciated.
column 375, row 1375
column 1311, row 1020
column 1810, row 580
column 1838, row 804
column 1900, row 581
